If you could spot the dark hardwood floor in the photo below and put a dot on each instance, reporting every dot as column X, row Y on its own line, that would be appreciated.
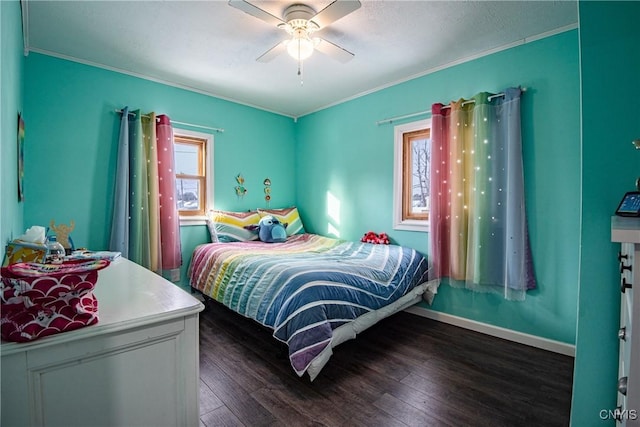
column 404, row 371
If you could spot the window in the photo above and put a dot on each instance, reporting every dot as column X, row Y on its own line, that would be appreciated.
column 194, row 184
column 411, row 176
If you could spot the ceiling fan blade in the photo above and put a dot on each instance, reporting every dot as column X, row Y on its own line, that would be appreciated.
column 256, row 12
column 273, row 52
column 335, row 11
column 334, row 51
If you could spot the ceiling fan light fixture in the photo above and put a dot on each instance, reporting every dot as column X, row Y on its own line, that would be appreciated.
column 301, row 21
column 300, row 47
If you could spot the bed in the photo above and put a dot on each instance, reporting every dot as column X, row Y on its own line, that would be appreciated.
column 312, row 291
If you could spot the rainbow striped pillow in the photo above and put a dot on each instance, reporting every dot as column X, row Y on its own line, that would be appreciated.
column 289, row 216
column 229, row 226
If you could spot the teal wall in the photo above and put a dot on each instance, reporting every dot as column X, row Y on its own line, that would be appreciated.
column 70, row 159
column 73, row 132
column 341, row 150
column 11, row 94
column 610, row 74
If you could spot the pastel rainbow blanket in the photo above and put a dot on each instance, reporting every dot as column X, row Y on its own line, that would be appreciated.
column 304, row 288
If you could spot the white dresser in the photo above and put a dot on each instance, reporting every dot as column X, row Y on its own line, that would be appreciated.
column 138, row 366
column 626, row 231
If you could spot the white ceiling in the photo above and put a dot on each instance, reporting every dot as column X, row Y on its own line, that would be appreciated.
column 211, row 47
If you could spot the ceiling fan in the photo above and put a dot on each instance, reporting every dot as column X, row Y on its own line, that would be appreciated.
column 301, row 22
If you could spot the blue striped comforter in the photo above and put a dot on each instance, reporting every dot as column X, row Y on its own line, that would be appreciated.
column 307, row 286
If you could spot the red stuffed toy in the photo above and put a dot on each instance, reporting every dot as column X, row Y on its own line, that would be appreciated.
column 383, row 239
column 376, row 239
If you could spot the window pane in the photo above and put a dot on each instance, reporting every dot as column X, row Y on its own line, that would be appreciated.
column 188, row 191
column 412, row 145
column 187, row 161
column 420, row 155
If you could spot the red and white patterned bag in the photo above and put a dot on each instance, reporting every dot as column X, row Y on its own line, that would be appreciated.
column 37, row 300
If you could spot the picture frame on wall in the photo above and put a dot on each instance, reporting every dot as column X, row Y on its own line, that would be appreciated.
column 20, row 158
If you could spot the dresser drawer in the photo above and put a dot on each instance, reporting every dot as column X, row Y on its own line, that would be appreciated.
column 628, row 386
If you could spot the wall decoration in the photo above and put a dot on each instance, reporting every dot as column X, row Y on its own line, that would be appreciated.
column 240, row 188
column 267, row 191
column 20, row 158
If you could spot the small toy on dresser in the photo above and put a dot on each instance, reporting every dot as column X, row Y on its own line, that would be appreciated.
column 375, row 238
column 63, row 234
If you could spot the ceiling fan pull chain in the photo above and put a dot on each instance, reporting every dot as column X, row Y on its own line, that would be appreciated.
column 300, row 71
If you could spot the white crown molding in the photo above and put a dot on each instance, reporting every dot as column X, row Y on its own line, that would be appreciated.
column 153, row 79
column 449, row 65
column 294, row 117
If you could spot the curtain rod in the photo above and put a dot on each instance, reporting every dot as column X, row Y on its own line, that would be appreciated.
column 181, row 123
column 473, row 101
column 421, row 113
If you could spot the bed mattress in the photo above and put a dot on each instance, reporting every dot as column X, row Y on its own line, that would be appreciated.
column 314, row 292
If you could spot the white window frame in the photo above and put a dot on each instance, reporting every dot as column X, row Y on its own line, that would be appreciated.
column 200, row 219
column 398, row 222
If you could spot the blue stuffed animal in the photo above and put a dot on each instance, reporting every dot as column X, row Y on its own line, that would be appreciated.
column 270, row 229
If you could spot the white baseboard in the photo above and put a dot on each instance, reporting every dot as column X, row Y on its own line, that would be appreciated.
column 496, row 331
